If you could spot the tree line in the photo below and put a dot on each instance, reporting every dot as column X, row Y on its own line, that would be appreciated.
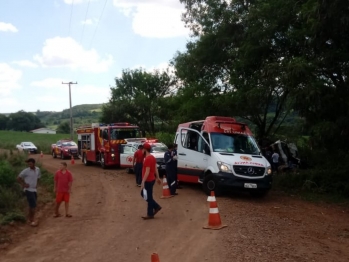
column 262, row 61
column 20, row 121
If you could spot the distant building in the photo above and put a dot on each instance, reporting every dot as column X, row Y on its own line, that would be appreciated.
column 43, row 130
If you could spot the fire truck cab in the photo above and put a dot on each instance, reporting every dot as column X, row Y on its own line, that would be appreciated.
column 220, row 152
column 106, row 144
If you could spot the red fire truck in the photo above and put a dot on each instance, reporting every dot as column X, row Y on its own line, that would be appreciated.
column 103, row 143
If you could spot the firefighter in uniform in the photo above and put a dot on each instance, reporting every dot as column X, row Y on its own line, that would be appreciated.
column 170, row 170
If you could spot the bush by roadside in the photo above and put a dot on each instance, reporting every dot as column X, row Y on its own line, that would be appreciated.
column 12, row 201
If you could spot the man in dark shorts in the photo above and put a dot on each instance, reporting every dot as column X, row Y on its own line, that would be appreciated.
column 28, row 178
column 150, row 173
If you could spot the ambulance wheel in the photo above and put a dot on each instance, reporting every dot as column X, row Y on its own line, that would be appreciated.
column 84, row 160
column 103, row 162
column 210, row 184
column 53, row 154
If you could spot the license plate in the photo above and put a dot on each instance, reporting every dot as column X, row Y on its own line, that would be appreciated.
column 250, row 185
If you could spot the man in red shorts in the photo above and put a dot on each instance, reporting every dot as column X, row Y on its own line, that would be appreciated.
column 63, row 183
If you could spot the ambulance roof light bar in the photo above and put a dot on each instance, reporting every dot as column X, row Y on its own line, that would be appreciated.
column 243, row 126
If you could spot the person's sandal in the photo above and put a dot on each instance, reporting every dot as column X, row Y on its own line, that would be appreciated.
column 148, row 217
column 68, row 215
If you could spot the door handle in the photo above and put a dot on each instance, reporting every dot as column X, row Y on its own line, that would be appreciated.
column 181, row 154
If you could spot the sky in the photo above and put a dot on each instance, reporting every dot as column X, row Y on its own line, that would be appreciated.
column 45, row 43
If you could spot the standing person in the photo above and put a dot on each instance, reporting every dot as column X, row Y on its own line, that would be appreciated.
column 138, row 159
column 63, row 182
column 150, row 173
column 170, row 170
column 28, row 178
column 175, row 160
column 275, row 159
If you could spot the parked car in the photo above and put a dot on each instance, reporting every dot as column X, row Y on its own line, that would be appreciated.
column 65, row 149
column 28, row 147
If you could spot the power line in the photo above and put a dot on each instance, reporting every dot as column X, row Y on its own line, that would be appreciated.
column 83, row 29
column 71, row 14
column 105, row 3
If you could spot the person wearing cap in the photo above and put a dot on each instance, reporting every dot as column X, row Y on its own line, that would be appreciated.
column 28, row 179
column 138, row 159
column 170, row 170
column 149, row 175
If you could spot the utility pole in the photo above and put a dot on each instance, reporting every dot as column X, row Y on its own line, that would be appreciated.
column 71, row 110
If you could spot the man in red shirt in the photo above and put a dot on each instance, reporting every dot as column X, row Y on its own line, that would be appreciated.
column 63, row 182
column 138, row 159
column 149, row 175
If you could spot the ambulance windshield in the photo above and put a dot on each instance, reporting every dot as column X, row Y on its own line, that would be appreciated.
column 122, row 133
column 158, row 148
column 234, row 143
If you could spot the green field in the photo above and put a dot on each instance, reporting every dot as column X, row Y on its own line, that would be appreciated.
column 9, row 139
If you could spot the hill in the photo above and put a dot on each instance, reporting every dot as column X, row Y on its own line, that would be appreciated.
column 82, row 114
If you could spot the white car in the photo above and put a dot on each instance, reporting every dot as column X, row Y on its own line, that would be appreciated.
column 27, row 146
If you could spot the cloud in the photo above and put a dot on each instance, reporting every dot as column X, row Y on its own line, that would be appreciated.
column 49, row 83
column 154, row 18
column 66, row 52
column 7, row 27
column 9, row 78
column 89, row 22
column 77, row 2
column 25, row 63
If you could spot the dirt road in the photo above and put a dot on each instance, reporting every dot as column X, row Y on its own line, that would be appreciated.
column 106, row 226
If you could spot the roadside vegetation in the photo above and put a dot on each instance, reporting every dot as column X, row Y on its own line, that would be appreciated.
column 281, row 66
column 13, row 204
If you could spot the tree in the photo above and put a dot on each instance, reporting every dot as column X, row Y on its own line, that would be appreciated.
column 244, row 51
column 23, row 121
column 138, row 97
column 63, row 128
column 3, row 122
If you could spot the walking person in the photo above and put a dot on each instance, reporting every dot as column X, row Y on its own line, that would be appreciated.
column 138, row 159
column 28, row 178
column 275, row 159
column 150, row 173
column 170, row 170
column 63, row 182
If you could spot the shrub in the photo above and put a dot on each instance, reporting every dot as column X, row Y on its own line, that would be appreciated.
column 7, row 175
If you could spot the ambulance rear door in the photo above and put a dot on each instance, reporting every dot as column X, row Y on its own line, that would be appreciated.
column 126, row 155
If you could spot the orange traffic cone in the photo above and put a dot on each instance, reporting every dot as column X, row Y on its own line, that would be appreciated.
column 155, row 257
column 214, row 219
column 165, row 189
column 41, row 155
column 72, row 160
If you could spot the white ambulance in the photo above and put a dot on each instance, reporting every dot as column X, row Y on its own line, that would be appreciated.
column 220, row 152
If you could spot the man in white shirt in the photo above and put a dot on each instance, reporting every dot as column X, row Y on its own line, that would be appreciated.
column 28, row 178
column 275, row 160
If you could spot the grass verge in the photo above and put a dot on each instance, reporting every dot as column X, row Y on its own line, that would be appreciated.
column 12, row 201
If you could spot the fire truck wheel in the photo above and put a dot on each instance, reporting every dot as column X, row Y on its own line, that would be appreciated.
column 210, row 184
column 84, row 160
column 53, row 154
column 103, row 162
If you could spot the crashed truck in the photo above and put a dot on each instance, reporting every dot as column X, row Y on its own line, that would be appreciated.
column 288, row 152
